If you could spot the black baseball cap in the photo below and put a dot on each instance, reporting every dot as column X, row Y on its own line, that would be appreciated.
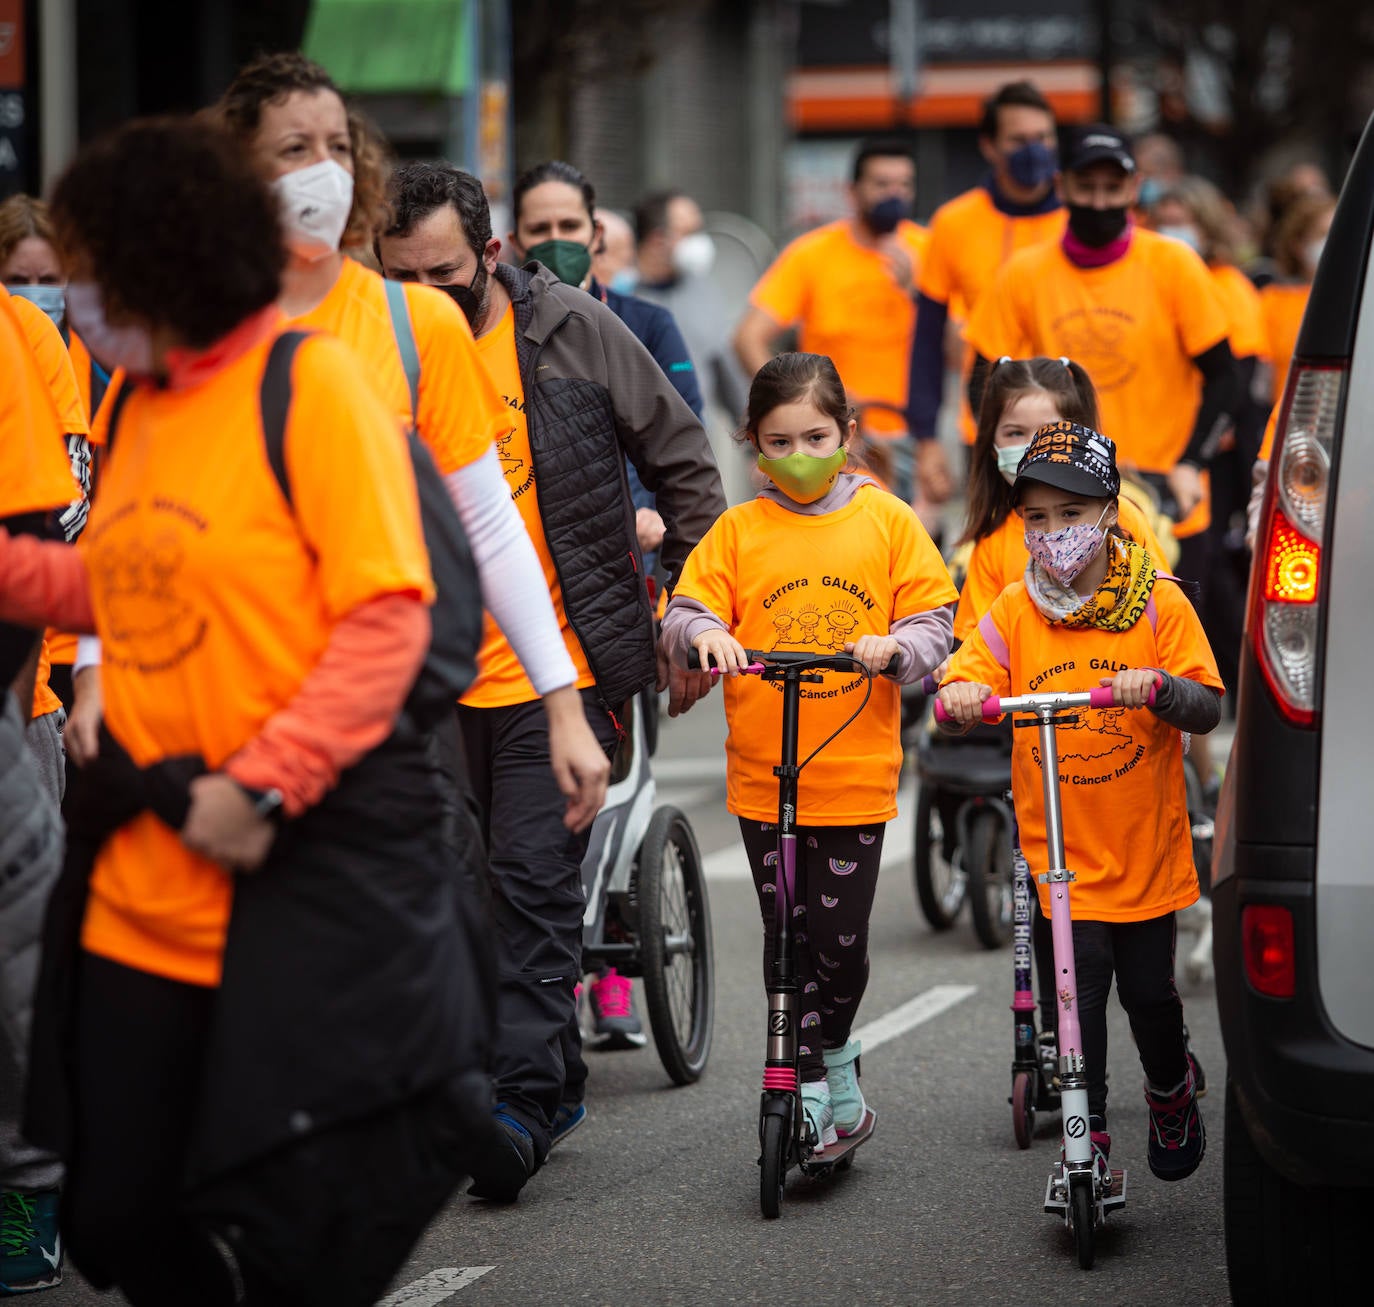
column 1070, row 457
column 1081, row 147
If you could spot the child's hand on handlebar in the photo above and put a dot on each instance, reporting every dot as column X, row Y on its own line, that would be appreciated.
column 874, row 651
column 1132, row 687
column 963, row 701
column 721, row 649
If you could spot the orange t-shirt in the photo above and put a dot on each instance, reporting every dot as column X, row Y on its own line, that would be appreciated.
column 842, row 297
column 501, row 679
column 1270, row 429
column 214, row 600
column 1282, row 307
column 54, row 363
column 1136, row 325
column 1000, row 558
column 784, row 580
column 1126, row 831
column 1241, row 301
column 459, row 413
column 43, row 344
column 970, row 240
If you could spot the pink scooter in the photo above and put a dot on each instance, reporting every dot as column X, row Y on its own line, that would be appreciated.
column 1077, row 1190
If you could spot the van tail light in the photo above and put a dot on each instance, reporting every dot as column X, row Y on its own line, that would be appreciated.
column 1286, row 584
column 1266, row 932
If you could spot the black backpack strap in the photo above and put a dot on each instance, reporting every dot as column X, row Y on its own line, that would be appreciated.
column 274, row 401
column 405, row 342
column 121, row 397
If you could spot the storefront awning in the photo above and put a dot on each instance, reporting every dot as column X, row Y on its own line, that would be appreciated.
column 393, row 47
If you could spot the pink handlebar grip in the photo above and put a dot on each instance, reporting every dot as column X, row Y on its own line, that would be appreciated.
column 1103, row 697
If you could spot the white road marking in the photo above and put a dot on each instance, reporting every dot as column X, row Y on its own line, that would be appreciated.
column 731, row 864
column 925, row 1006
column 436, row 1287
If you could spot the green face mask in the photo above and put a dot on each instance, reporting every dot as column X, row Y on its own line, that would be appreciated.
column 804, row 477
column 569, row 261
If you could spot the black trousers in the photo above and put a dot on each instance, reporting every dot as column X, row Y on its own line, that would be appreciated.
column 839, row 867
column 325, row 1222
column 1141, row 955
column 535, row 867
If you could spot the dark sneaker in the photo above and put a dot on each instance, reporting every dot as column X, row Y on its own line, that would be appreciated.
column 614, row 1023
column 507, row 1170
column 30, row 1243
column 1177, row 1140
column 568, row 1117
column 1199, row 1075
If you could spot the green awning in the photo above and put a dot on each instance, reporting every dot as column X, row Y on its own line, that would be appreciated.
column 392, row 47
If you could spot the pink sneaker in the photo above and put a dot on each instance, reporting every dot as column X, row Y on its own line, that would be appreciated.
column 615, row 1024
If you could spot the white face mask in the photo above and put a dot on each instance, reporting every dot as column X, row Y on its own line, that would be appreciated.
column 315, row 204
column 694, row 255
column 1009, row 459
column 1187, row 234
column 1312, row 252
column 130, row 348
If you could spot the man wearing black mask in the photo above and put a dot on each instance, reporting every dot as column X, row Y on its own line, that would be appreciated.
column 848, row 288
column 1140, row 312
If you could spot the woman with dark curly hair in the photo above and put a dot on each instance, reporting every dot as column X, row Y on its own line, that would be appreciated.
column 236, row 1061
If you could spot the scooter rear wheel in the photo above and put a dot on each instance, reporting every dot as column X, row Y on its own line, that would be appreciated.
column 940, row 884
column 1023, row 1108
column 989, row 864
column 772, row 1165
column 1084, row 1235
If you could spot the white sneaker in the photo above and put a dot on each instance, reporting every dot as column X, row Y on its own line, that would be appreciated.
column 820, row 1117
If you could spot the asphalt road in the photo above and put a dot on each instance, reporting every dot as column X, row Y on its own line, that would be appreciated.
column 655, row 1199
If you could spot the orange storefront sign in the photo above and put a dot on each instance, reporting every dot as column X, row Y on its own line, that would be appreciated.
column 865, row 98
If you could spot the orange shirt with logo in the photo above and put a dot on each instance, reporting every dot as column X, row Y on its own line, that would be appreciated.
column 1126, row 830
column 501, row 679
column 785, row 580
column 214, row 599
column 1282, row 307
column 1000, row 558
column 843, row 299
column 1136, row 325
column 970, row 240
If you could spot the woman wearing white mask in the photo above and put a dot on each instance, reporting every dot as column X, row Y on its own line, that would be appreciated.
column 329, row 174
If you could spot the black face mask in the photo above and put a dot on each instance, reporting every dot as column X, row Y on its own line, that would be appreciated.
column 472, row 299
column 1096, row 227
column 887, row 215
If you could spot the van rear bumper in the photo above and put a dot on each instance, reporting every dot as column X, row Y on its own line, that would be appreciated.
column 1307, row 1093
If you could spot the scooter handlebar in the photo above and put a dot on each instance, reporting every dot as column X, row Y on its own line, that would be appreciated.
column 1103, row 696
column 760, row 660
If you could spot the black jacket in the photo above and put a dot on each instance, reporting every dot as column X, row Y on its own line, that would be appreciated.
column 593, row 398
column 356, row 973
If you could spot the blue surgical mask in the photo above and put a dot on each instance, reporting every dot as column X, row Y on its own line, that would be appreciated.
column 1185, row 233
column 51, row 299
column 1033, row 165
column 625, row 281
column 1151, row 189
column 1009, row 459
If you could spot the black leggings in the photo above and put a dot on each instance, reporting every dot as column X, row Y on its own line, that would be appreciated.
column 1141, row 954
column 838, row 866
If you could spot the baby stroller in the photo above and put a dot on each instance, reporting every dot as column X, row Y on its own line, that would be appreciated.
column 647, row 912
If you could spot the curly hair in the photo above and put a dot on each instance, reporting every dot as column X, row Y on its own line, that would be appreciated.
column 270, row 79
column 419, row 189
column 22, row 217
column 177, row 226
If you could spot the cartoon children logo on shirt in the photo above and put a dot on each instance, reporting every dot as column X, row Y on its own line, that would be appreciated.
column 512, row 468
column 1098, row 339
column 814, row 629
column 152, row 623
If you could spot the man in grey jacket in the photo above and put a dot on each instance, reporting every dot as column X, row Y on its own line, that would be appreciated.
column 584, row 397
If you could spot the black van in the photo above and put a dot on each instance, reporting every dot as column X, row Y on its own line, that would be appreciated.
column 1293, row 880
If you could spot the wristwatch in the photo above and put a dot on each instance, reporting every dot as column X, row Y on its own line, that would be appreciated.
column 267, row 804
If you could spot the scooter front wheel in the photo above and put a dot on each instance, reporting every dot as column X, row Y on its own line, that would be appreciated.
column 1023, row 1107
column 772, row 1165
column 1084, row 1235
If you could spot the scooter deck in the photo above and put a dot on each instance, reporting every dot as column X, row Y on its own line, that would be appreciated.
column 1057, row 1201
column 826, row 1159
